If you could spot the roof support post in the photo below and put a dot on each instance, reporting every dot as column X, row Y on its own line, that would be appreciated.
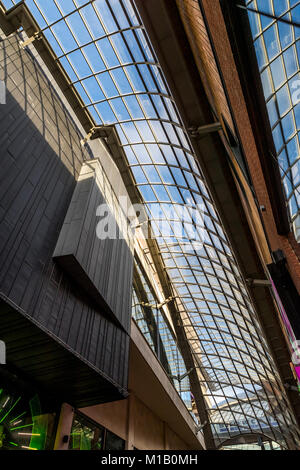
column 206, row 129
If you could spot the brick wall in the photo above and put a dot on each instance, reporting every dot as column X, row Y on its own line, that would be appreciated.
column 204, row 56
column 198, row 36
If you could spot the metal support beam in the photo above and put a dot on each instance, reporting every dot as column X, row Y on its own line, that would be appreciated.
column 157, row 306
column 292, row 387
column 36, row 36
column 204, row 130
column 258, row 282
column 269, row 15
column 200, row 427
column 97, row 132
column 183, row 376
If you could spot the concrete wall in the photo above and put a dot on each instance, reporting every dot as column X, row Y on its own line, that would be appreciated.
column 134, row 422
column 153, row 417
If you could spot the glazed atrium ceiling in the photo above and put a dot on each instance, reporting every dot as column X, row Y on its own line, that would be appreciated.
column 109, row 60
column 276, row 33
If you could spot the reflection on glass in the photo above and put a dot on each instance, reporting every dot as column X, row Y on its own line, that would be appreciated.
column 88, row 435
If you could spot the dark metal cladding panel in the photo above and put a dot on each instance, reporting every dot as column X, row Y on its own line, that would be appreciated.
column 41, row 157
column 53, row 369
column 98, row 251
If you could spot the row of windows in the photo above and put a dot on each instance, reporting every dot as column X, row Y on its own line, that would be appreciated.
column 88, row 435
column 277, row 46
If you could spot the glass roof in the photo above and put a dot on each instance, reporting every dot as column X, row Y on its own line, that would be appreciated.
column 109, row 59
column 277, row 49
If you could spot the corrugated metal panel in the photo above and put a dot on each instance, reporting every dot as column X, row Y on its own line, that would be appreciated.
column 58, row 372
column 98, row 251
column 41, row 157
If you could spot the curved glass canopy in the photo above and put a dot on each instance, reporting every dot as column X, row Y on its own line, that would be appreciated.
column 159, row 335
column 108, row 57
column 277, row 46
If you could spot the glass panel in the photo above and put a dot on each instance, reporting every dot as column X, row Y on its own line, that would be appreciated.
column 278, row 74
column 271, row 41
column 279, row 40
column 85, row 435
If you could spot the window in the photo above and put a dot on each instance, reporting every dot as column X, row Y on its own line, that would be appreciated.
column 89, row 435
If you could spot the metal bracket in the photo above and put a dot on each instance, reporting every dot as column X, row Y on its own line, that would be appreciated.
column 95, row 133
column 269, row 15
column 141, row 224
column 183, row 376
column 88, row 137
column 204, row 130
column 294, row 388
column 200, row 427
column 36, row 36
column 157, row 306
column 258, row 282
